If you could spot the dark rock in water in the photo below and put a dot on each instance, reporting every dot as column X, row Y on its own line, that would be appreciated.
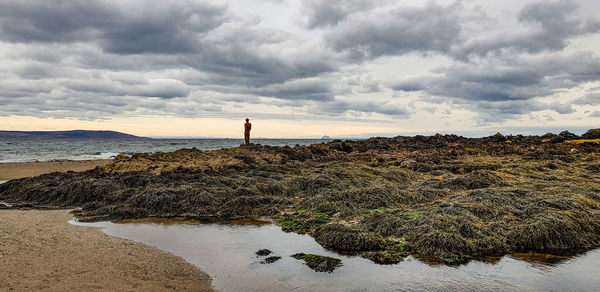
column 591, row 134
column 270, row 260
column 319, row 263
column 263, row 252
column 384, row 257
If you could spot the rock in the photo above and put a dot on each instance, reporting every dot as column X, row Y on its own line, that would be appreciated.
column 340, row 237
column 319, row 263
column 474, row 180
column 548, row 136
column 270, row 260
column 497, row 137
column 263, row 252
column 591, row 134
column 121, row 156
column 568, row 135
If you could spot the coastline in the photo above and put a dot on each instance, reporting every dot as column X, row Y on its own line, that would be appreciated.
column 15, row 170
column 41, row 250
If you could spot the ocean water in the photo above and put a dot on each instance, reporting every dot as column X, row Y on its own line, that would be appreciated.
column 20, row 150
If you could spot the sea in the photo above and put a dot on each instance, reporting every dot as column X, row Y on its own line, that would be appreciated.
column 36, row 149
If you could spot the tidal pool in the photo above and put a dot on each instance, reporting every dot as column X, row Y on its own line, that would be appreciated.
column 227, row 253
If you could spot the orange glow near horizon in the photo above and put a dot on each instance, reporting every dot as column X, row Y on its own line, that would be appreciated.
column 167, row 126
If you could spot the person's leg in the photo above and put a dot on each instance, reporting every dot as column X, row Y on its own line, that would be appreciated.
column 247, row 138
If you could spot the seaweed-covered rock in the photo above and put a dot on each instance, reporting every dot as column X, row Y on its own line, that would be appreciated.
column 270, row 260
column 319, row 263
column 568, row 135
column 474, row 180
column 550, row 233
column 393, row 254
column 384, row 224
column 591, row 134
column 449, row 247
column 340, row 237
column 263, row 252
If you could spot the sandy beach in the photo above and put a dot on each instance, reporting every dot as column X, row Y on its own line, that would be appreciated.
column 14, row 170
column 40, row 250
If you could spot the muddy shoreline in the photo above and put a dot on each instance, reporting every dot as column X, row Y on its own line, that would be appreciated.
column 449, row 198
column 41, row 250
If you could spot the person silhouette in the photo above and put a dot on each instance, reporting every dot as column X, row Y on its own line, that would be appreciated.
column 247, row 128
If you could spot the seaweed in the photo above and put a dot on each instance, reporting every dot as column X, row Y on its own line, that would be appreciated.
column 319, row 263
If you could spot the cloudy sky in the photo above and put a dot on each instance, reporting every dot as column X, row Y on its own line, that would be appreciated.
column 300, row 68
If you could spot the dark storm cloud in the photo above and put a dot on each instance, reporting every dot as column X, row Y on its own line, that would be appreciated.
column 120, row 27
column 508, row 85
column 149, row 35
column 92, row 59
column 323, row 13
column 162, row 88
column 362, row 32
column 303, row 89
column 545, row 26
column 432, row 28
column 69, row 46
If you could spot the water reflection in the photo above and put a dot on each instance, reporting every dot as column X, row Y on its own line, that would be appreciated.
column 227, row 253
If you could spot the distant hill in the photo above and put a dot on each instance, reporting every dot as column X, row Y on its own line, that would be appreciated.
column 75, row 134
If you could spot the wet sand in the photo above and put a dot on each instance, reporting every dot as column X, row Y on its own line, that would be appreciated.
column 14, row 170
column 40, row 250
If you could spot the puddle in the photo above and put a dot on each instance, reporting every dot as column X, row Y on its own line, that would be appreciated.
column 227, row 253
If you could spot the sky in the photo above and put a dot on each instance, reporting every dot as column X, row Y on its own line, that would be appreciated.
column 300, row 68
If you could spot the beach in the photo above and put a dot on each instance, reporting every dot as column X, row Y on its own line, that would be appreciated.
column 40, row 250
column 14, row 170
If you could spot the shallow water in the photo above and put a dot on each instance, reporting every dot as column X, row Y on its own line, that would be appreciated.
column 227, row 253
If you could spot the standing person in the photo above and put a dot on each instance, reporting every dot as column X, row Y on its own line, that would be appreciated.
column 247, row 128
